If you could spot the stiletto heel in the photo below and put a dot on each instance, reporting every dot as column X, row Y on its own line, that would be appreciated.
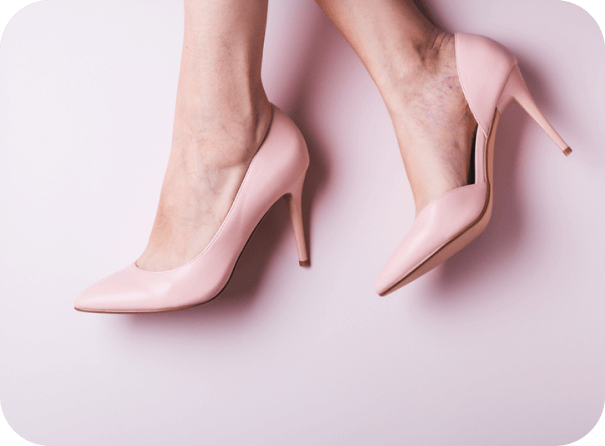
column 516, row 89
column 294, row 200
column 277, row 169
column 490, row 79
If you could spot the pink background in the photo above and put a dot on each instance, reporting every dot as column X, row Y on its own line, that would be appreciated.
column 501, row 345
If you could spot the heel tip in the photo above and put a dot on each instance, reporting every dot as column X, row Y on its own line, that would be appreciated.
column 567, row 151
column 304, row 263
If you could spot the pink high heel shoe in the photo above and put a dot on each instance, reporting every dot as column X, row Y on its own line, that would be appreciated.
column 490, row 79
column 277, row 169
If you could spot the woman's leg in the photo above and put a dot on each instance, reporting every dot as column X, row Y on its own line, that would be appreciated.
column 222, row 114
column 413, row 64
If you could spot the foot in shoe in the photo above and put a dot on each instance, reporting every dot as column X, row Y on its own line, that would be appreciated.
column 491, row 79
column 277, row 170
column 212, row 148
column 432, row 120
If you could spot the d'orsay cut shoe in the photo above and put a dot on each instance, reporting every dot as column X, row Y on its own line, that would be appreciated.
column 278, row 169
column 490, row 79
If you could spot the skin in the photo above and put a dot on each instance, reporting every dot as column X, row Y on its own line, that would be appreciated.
column 222, row 112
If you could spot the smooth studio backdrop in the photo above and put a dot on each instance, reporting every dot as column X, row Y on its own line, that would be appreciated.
column 501, row 345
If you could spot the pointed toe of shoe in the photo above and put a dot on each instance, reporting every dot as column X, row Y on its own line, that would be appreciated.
column 117, row 293
column 430, row 241
column 134, row 290
column 381, row 288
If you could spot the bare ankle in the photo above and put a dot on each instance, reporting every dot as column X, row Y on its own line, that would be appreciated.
column 435, row 50
column 423, row 54
column 219, row 135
